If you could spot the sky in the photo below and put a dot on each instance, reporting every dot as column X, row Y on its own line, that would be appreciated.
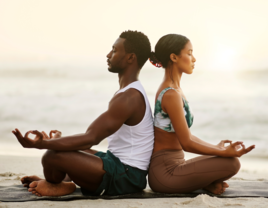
column 226, row 34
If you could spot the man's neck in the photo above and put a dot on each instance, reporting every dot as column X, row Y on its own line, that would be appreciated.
column 128, row 77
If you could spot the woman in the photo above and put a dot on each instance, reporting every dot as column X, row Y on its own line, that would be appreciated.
column 169, row 172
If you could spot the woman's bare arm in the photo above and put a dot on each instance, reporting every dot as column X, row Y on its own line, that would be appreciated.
column 220, row 145
column 173, row 105
column 196, row 139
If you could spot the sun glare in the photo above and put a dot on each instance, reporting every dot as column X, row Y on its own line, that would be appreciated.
column 225, row 59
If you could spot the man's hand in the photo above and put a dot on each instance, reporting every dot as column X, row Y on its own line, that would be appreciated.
column 28, row 142
column 57, row 134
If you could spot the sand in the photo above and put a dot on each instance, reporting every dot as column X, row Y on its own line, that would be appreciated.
column 12, row 168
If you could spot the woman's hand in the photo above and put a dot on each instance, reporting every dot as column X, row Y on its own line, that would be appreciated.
column 222, row 143
column 237, row 149
column 28, row 142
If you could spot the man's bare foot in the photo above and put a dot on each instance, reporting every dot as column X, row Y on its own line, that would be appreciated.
column 26, row 180
column 217, row 188
column 44, row 188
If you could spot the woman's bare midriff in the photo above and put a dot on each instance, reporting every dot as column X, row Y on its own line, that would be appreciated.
column 165, row 140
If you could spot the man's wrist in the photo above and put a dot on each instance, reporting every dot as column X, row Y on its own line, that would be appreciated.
column 44, row 144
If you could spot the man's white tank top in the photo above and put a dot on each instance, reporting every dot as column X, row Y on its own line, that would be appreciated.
column 133, row 145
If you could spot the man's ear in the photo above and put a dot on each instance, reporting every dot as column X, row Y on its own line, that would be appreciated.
column 173, row 57
column 131, row 58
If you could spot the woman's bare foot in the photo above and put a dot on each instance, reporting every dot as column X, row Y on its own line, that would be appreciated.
column 26, row 180
column 44, row 188
column 217, row 188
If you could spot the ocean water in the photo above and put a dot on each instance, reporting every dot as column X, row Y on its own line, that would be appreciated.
column 226, row 105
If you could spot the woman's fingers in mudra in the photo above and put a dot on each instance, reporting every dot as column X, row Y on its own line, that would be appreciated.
column 245, row 150
column 223, row 142
column 241, row 149
column 237, row 145
column 226, row 141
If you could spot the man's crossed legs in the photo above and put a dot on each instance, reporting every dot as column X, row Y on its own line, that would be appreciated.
column 60, row 168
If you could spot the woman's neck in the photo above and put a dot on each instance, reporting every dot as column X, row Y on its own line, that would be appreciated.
column 172, row 77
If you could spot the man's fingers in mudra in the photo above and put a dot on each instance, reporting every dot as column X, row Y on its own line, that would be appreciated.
column 51, row 133
column 54, row 132
column 19, row 137
column 37, row 133
column 45, row 135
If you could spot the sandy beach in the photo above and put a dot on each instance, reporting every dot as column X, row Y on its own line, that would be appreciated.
column 14, row 167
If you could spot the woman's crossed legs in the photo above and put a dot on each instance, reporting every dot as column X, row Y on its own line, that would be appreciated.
column 204, row 172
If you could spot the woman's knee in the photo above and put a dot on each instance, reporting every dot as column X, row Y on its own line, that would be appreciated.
column 234, row 164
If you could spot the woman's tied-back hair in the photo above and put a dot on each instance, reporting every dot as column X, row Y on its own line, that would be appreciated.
column 168, row 44
column 138, row 43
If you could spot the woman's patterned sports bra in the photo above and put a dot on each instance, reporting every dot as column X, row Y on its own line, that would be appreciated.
column 162, row 120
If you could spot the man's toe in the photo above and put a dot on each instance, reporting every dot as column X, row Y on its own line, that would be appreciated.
column 23, row 179
column 33, row 184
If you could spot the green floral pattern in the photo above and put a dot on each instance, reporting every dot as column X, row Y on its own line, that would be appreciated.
column 162, row 120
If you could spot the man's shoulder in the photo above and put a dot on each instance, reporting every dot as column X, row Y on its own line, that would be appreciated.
column 129, row 98
column 129, row 95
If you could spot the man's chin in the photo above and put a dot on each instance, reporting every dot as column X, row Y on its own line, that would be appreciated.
column 110, row 70
column 113, row 70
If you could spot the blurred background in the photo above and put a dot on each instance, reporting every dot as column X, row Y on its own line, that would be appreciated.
column 53, row 69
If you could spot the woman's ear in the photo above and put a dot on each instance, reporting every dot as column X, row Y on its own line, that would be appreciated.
column 173, row 57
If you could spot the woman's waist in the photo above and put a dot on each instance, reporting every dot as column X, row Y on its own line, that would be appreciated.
column 169, row 152
column 164, row 140
column 167, row 158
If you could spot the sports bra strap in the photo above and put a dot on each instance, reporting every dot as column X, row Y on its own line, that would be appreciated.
column 160, row 96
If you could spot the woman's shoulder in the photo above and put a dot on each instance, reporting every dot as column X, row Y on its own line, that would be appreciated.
column 171, row 94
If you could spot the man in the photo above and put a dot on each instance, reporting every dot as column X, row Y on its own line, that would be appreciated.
column 127, row 124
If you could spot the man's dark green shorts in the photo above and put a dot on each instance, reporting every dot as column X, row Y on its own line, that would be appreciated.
column 119, row 178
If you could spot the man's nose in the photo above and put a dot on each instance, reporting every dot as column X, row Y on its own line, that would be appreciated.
column 109, row 55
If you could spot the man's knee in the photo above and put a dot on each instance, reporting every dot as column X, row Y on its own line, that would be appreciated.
column 50, row 156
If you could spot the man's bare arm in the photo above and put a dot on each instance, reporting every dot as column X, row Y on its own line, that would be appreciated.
column 120, row 109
